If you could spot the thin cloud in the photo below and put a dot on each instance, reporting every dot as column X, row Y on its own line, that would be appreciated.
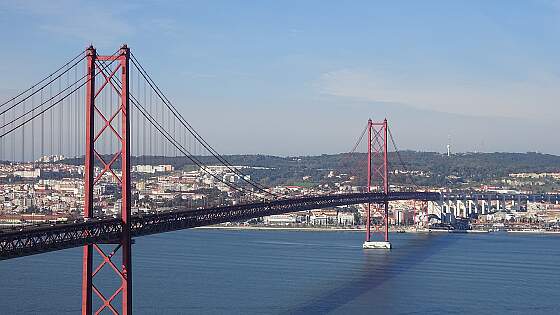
column 532, row 98
column 104, row 25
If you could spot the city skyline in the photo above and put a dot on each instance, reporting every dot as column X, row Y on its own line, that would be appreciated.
column 474, row 72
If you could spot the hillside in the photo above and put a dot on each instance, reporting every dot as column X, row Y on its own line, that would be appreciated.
column 430, row 168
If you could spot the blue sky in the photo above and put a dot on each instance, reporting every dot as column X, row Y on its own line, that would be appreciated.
column 302, row 77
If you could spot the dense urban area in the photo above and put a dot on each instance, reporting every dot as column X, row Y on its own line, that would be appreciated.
column 50, row 190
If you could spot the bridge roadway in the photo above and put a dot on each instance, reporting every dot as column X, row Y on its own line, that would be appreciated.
column 36, row 240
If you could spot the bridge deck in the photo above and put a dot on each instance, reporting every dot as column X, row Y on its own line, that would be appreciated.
column 31, row 241
column 46, row 239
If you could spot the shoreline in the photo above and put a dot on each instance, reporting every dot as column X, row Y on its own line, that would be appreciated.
column 279, row 228
column 359, row 229
column 535, row 232
column 312, row 229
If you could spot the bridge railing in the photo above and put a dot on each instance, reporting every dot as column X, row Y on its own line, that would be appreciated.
column 30, row 241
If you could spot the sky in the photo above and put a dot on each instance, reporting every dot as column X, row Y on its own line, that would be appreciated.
column 303, row 77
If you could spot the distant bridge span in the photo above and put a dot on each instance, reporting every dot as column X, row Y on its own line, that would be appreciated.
column 468, row 203
column 482, row 196
column 38, row 240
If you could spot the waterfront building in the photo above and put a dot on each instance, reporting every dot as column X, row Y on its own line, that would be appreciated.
column 280, row 219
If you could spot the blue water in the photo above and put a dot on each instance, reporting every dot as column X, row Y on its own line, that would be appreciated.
column 288, row 272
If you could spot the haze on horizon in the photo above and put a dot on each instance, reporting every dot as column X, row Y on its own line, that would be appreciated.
column 303, row 77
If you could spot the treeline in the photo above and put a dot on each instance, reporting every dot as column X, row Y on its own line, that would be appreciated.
column 429, row 168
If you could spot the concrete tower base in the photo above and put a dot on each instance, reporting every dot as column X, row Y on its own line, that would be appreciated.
column 377, row 245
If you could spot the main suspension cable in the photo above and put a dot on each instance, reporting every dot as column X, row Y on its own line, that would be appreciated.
column 359, row 140
column 165, row 134
column 40, row 89
column 43, row 110
column 153, row 122
column 193, row 132
column 401, row 160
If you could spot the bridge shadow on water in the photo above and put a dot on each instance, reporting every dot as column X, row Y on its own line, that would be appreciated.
column 379, row 267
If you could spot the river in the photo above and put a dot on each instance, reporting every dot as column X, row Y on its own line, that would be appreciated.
column 296, row 272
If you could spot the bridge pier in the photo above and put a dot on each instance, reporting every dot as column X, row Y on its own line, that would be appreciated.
column 377, row 245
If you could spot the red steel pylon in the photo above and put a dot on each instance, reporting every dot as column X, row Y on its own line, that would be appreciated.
column 378, row 170
column 124, row 272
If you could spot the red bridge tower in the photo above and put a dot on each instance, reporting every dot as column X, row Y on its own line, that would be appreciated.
column 102, row 65
column 378, row 171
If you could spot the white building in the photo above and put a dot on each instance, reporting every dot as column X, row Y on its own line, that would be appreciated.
column 152, row 169
column 36, row 173
column 280, row 219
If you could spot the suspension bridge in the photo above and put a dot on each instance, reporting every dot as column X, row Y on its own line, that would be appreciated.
column 106, row 112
